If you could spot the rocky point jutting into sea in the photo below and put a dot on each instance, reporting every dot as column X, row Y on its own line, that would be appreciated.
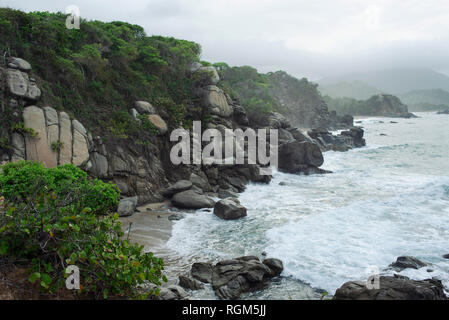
column 342, row 199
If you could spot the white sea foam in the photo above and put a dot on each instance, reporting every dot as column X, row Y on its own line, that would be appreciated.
column 382, row 201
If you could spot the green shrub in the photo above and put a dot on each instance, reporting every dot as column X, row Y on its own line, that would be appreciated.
column 50, row 219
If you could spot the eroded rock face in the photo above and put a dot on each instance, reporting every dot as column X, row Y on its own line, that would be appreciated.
column 393, row 288
column 19, row 84
column 215, row 101
column 38, row 148
column 180, row 186
column 127, row 207
column 58, row 140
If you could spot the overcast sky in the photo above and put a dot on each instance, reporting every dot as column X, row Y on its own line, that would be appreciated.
column 308, row 38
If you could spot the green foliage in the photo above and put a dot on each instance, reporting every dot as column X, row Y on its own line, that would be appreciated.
column 57, row 146
column 19, row 127
column 53, row 218
column 148, row 125
column 100, row 69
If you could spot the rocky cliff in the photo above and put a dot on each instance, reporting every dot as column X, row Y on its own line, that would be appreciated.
column 299, row 100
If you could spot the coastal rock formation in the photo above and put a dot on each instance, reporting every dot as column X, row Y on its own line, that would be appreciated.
column 446, row 111
column 231, row 278
column 55, row 140
column 393, row 288
column 386, row 105
column 192, row 199
column 295, row 156
column 346, row 140
column 229, row 209
column 407, row 263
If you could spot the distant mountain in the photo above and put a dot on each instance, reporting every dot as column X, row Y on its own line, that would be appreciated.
column 394, row 81
column 355, row 89
column 426, row 100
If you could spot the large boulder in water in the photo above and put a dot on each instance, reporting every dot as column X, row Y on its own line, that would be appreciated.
column 229, row 209
column 393, row 288
column 231, row 278
column 294, row 155
column 192, row 199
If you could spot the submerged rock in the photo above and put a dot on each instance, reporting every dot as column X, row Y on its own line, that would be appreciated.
column 393, row 288
column 407, row 263
column 202, row 271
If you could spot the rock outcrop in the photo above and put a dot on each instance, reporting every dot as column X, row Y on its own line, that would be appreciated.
column 393, row 288
column 231, row 278
column 407, row 263
column 446, row 111
column 346, row 140
column 229, row 209
column 385, row 105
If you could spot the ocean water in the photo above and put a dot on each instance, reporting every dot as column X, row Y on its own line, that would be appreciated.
column 386, row 200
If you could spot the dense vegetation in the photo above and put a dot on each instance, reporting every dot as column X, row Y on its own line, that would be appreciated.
column 53, row 218
column 98, row 71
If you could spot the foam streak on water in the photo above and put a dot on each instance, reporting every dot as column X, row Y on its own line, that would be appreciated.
column 383, row 201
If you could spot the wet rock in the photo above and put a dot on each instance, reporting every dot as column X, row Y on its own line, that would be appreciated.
column 190, row 284
column 229, row 209
column 446, row 256
column 127, row 207
column 393, row 288
column 166, row 294
column 176, row 217
column 202, row 271
column 407, row 263
column 294, row 155
column 191, row 199
column 180, row 293
column 275, row 265
column 180, row 186
column 227, row 193
column 443, row 111
column 231, row 278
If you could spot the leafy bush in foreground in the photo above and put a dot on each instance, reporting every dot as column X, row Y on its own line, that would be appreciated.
column 53, row 218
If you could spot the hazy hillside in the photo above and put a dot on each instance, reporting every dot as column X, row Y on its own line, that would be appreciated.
column 426, row 100
column 355, row 89
column 298, row 99
column 394, row 81
column 378, row 105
